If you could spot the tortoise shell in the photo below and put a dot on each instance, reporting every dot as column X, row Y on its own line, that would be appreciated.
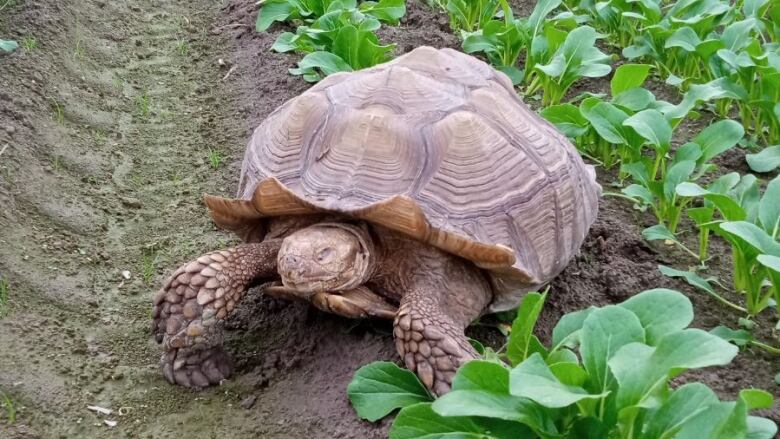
column 436, row 145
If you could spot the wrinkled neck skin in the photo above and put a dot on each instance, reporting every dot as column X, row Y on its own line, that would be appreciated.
column 401, row 264
column 405, row 265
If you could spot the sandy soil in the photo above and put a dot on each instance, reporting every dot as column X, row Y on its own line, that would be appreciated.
column 109, row 122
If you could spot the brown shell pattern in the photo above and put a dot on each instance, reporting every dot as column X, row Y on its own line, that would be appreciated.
column 448, row 134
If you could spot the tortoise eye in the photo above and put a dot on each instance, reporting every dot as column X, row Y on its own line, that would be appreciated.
column 324, row 254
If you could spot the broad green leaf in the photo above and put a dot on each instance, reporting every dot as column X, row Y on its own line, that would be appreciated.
column 419, row 421
column 658, row 232
column 717, row 138
column 493, row 405
column 326, row 62
column 708, row 422
column 739, row 337
column 678, row 173
column 634, row 99
column 766, row 160
column 752, row 235
column 651, row 125
column 684, row 38
column 567, row 118
column 756, row 398
column 605, row 331
column 639, row 193
column 381, row 387
column 683, row 404
column 532, row 379
column 607, row 120
column 541, row 10
column 660, row 311
column 769, row 208
column 523, row 326
column 569, row 326
column 278, row 10
column 388, row 11
column 482, row 375
column 562, row 355
column 570, row 374
column 760, row 428
column 692, row 278
column 770, row 261
column 628, row 76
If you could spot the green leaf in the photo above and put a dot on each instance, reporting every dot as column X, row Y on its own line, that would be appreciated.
column 570, row 374
column 756, row 398
column 493, row 405
column 769, row 208
column 605, row 331
column 628, row 76
column 482, row 375
column 660, row 311
column 684, row 38
column 752, row 235
column 419, row 421
column 388, row 11
column 634, row 99
column 567, row 118
column 569, row 325
column 760, row 428
column 658, row 232
column 651, row 125
column 326, row 62
column 607, row 120
column 381, row 387
column 739, row 337
column 532, row 379
column 523, row 326
column 683, row 404
column 677, row 173
column 717, row 138
column 766, row 160
column 272, row 11
column 692, row 278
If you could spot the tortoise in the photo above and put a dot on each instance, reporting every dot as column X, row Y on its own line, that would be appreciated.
column 421, row 190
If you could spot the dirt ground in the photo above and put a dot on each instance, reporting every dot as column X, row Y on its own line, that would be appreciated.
column 110, row 113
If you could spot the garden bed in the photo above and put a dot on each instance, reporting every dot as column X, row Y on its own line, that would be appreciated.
column 118, row 116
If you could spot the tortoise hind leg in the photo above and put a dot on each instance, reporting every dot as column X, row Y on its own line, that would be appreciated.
column 190, row 309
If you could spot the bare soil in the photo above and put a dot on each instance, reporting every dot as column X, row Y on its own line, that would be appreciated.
column 109, row 122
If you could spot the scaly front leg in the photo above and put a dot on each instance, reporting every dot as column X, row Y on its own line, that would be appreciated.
column 190, row 309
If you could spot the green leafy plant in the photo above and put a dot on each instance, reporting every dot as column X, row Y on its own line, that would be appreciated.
column 576, row 58
column 471, row 15
column 606, row 375
column 656, row 180
column 308, row 11
column 503, row 40
column 765, row 161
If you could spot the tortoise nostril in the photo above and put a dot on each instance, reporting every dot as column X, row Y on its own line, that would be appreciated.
column 291, row 259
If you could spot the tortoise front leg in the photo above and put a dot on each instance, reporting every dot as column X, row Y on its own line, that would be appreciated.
column 430, row 337
column 190, row 309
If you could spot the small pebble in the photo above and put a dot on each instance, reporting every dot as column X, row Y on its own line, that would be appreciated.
column 126, row 274
column 248, row 402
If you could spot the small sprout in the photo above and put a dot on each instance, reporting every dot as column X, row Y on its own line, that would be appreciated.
column 142, row 101
column 56, row 163
column 4, row 309
column 78, row 52
column 59, row 111
column 215, row 158
column 29, row 43
column 10, row 408
column 147, row 266
column 183, row 47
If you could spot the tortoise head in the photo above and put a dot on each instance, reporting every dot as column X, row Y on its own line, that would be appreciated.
column 326, row 257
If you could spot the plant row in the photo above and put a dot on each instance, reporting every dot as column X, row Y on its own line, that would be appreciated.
column 606, row 374
column 333, row 35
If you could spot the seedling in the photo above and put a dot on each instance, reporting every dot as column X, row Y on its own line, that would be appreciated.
column 143, row 103
column 9, row 407
column 56, row 163
column 183, row 47
column 215, row 158
column 78, row 51
column 58, row 110
column 29, row 43
column 148, row 260
column 4, row 308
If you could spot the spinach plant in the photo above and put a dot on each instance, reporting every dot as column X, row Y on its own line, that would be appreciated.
column 606, row 374
column 388, row 11
column 656, row 179
column 470, row 15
